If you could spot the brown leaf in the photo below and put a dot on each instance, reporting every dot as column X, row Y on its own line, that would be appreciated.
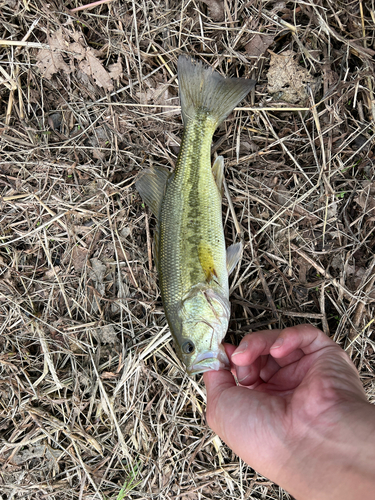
column 115, row 70
column 77, row 50
column 79, row 257
column 366, row 198
column 94, row 68
column 258, row 44
column 106, row 334
column 108, row 375
column 50, row 61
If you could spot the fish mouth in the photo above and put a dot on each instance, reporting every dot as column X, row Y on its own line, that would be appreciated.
column 208, row 361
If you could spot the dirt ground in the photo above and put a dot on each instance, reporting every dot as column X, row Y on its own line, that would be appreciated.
column 94, row 401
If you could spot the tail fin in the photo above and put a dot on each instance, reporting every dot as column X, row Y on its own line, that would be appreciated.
column 203, row 88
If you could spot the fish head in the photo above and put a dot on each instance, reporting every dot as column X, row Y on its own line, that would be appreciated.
column 204, row 322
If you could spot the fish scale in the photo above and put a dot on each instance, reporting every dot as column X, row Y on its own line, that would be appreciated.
column 190, row 215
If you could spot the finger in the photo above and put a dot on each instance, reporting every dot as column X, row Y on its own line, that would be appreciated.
column 237, row 415
column 269, row 370
column 322, row 360
column 263, row 368
column 289, row 377
column 289, row 358
column 249, row 374
column 311, row 340
column 254, row 345
column 258, row 372
column 307, row 338
column 217, row 382
column 229, row 349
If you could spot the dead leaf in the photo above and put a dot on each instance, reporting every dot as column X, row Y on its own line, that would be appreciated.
column 124, row 233
column 158, row 94
column 258, row 44
column 332, row 209
column 78, row 51
column 97, row 154
column 97, row 274
column 94, row 68
column 115, row 70
column 38, row 451
column 282, row 239
column 50, row 61
column 215, row 9
column 51, row 273
column 338, row 262
column 288, row 81
column 79, row 257
column 106, row 334
column 166, row 475
column 109, row 375
column 366, row 198
column 355, row 281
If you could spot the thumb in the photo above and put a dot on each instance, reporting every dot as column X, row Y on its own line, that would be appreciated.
column 242, row 417
column 217, row 383
column 232, row 411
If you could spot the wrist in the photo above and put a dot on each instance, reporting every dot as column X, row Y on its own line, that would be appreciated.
column 335, row 459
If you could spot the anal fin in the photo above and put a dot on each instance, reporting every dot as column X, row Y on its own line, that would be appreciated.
column 234, row 253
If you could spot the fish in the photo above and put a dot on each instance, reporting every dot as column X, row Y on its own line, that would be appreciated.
column 192, row 261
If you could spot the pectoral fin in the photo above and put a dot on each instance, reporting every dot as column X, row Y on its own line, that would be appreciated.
column 207, row 260
column 218, row 173
column 151, row 186
column 234, row 253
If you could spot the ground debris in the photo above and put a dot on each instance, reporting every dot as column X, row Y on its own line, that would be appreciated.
column 290, row 82
column 94, row 400
column 259, row 44
column 215, row 9
column 51, row 61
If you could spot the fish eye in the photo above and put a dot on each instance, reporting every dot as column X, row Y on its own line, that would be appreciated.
column 188, row 347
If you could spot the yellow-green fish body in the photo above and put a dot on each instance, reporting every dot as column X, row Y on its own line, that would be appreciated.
column 191, row 258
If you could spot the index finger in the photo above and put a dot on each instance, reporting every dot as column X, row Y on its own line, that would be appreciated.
column 254, row 345
column 306, row 337
column 286, row 345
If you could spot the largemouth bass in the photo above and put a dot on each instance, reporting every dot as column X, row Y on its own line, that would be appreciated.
column 191, row 259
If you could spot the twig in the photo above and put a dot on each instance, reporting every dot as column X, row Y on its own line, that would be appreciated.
column 90, row 5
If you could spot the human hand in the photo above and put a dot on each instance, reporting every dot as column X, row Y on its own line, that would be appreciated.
column 300, row 416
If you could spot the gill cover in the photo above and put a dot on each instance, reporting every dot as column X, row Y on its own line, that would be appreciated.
column 204, row 317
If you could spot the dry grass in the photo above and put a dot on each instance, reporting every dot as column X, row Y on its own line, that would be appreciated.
column 94, row 402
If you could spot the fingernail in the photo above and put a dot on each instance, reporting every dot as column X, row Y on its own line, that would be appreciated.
column 240, row 349
column 278, row 343
column 244, row 378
